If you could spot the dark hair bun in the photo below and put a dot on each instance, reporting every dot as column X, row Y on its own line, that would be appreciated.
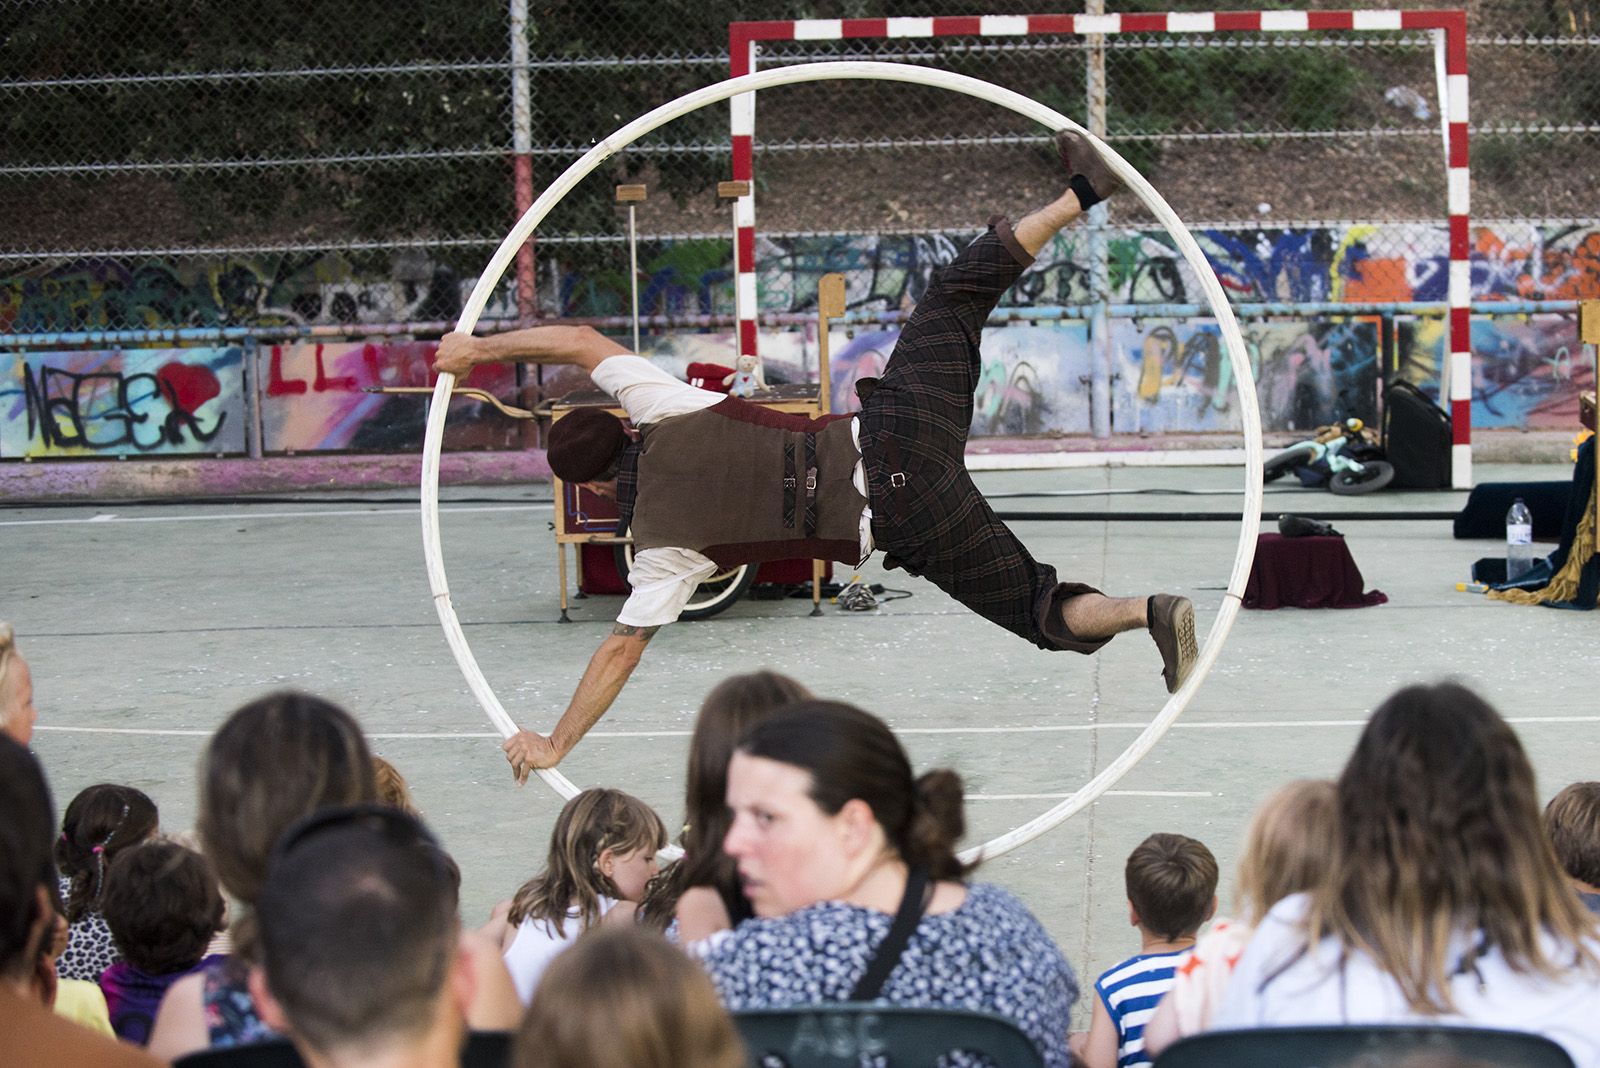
column 938, row 822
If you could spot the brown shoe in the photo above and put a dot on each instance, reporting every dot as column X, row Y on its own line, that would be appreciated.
column 1079, row 156
column 1172, row 627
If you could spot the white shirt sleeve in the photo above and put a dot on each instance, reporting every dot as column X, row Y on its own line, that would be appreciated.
column 663, row 580
column 646, row 392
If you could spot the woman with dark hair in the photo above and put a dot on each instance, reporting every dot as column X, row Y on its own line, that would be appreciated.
column 701, row 890
column 102, row 821
column 1444, row 900
column 850, row 865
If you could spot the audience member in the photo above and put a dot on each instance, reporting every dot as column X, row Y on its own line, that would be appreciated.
column 700, row 890
column 1572, row 819
column 272, row 762
column 1171, row 883
column 602, row 855
column 834, row 839
column 162, row 904
column 1286, row 851
column 392, row 788
column 101, row 822
column 17, row 714
column 32, row 1035
column 1445, row 902
column 360, row 958
column 624, row 997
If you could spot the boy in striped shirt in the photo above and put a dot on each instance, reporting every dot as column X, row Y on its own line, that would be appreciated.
column 1172, row 890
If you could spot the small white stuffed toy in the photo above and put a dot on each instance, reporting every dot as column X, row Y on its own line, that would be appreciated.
column 747, row 379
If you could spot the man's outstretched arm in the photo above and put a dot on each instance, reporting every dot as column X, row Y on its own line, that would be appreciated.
column 581, row 346
column 607, row 673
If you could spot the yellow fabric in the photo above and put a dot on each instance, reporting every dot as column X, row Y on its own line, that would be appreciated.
column 82, row 1002
column 1564, row 585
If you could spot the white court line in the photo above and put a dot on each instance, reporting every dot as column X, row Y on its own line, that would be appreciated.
column 1108, row 793
column 233, row 517
column 1047, row 728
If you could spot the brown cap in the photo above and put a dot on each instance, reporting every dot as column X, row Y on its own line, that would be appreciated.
column 584, row 443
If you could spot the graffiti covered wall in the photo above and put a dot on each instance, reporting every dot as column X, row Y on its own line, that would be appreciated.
column 127, row 402
column 1168, row 375
column 314, row 399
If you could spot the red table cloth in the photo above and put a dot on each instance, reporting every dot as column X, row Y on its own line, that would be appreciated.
column 1306, row 573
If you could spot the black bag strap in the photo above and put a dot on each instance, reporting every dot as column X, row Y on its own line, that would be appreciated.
column 887, row 955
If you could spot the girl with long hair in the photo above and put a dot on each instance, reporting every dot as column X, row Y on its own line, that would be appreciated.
column 700, row 891
column 1443, row 901
column 602, row 855
column 1285, row 852
column 102, row 821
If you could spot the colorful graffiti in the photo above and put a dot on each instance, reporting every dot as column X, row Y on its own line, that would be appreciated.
column 1527, row 372
column 289, row 289
column 314, row 399
column 161, row 402
column 1030, row 381
column 1175, row 377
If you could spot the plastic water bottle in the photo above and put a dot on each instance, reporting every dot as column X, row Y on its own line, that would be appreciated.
column 1519, row 541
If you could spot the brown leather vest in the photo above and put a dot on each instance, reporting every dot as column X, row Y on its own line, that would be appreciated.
column 742, row 483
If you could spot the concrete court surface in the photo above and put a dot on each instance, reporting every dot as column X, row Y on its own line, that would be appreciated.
column 146, row 625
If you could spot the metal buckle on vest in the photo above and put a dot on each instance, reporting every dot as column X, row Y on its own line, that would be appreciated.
column 811, row 480
column 789, row 482
column 897, row 479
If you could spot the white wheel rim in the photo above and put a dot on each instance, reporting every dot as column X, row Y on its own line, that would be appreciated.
column 1243, row 377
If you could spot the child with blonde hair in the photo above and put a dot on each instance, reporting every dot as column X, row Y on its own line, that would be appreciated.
column 602, row 855
column 1286, row 851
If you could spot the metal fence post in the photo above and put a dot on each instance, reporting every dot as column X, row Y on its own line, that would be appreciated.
column 522, row 149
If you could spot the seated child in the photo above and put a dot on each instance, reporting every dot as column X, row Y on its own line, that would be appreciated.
column 1285, row 852
column 1172, row 889
column 602, row 855
column 101, row 822
column 1572, row 820
column 162, row 904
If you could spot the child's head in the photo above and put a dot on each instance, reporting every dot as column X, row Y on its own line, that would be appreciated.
column 623, row 997
column 1289, row 844
column 392, row 788
column 163, row 906
column 101, row 822
column 1172, row 886
column 604, row 845
column 1572, row 819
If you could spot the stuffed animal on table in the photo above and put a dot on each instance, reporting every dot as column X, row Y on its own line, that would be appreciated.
column 746, row 378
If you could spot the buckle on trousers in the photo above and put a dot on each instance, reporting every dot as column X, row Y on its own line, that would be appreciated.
column 897, row 479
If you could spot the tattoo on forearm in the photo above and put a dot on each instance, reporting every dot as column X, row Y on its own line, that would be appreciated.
column 644, row 634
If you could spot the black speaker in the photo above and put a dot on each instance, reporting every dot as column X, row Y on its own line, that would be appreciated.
column 1416, row 437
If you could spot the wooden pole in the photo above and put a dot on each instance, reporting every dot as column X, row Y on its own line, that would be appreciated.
column 632, row 195
column 830, row 305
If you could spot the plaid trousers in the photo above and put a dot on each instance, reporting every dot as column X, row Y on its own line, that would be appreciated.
column 927, row 515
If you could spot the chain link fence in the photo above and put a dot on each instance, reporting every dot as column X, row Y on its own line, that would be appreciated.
column 349, row 167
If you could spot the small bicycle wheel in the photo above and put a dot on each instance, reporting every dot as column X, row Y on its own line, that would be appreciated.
column 1287, row 461
column 715, row 592
column 1374, row 475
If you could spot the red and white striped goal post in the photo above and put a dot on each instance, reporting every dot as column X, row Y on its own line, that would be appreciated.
column 1449, row 29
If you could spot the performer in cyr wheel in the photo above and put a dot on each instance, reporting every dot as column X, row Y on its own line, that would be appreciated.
column 892, row 477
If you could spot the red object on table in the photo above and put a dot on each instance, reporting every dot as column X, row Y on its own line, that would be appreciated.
column 1306, row 573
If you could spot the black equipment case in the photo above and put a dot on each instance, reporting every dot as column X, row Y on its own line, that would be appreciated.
column 1416, row 437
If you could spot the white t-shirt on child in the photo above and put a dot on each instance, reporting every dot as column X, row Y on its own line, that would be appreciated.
column 538, row 942
column 1276, row 983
